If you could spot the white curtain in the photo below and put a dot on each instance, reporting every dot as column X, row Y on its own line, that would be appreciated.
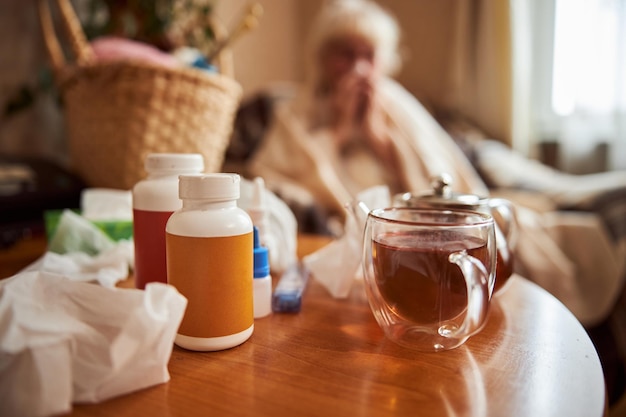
column 579, row 79
column 481, row 66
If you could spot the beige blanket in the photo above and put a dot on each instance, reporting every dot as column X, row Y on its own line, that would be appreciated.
column 572, row 228
column 569, row 254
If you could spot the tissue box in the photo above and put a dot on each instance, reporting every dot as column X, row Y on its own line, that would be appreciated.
column 116, row 230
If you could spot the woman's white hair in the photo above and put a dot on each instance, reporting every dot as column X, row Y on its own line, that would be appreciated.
column 362, row 18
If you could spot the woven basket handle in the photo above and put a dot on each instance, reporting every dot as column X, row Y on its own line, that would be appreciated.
column 81, row 49
column 79, row 45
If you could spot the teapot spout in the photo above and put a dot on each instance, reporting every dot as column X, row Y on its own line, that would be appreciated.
column 364, row 202
column 359, row 211
column 363, row 209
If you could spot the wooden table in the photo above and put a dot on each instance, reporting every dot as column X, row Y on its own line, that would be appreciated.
column 533, row 358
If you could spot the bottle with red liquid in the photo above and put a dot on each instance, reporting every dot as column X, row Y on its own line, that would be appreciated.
column 155, row 198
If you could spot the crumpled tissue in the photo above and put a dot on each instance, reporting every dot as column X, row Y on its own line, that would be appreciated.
column 82, row 252
column 77, row 234
column 337, row 265
column 63, row 341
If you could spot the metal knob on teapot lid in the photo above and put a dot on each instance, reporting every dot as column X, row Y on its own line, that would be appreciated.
column 441, row 185
column 440, row 196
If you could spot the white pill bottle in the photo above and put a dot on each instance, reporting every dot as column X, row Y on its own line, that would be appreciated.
column 209, row 251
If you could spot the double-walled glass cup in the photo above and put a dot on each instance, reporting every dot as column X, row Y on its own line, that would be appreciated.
column 429, row 274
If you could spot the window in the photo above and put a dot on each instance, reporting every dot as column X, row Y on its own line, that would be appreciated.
column 580, row 59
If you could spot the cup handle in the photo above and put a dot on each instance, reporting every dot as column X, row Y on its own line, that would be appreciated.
column 476, row 280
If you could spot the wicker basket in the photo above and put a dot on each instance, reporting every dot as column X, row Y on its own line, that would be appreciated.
column 118, row 112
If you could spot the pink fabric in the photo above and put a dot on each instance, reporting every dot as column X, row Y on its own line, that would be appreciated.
column 118, row 49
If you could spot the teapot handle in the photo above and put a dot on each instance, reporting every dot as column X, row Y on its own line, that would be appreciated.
column 505, row 218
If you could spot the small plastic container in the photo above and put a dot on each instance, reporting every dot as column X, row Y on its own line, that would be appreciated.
column 258, row 210
column 260, row 214
column 262, row 279
column 154, row 200
column 209, row 247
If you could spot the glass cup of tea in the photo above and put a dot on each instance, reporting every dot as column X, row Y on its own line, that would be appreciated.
column 429, row 274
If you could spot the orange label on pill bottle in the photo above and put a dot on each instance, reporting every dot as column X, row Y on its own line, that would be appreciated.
column 215, row 274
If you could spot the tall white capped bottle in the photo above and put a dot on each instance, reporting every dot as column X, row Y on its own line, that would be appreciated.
column 209, row 245
column 155, row 198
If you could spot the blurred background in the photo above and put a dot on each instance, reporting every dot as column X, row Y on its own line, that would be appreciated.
column 543, row 76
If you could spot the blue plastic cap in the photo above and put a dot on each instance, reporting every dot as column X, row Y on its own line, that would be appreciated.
column 261, row 258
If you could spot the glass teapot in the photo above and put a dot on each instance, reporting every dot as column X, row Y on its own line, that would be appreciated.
column 442, row 196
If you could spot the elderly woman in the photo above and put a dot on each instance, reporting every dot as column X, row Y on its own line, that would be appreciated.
column 352, row 127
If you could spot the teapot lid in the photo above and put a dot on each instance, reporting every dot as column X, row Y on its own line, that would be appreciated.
column 442, row 195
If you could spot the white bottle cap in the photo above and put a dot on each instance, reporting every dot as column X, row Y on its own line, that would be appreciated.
column 211, row 186
column 174, row 162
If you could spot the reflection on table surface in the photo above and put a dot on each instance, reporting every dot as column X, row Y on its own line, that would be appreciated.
column 532, row 358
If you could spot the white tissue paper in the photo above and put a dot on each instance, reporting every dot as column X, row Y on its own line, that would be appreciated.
column 337, row 265
column 64, row 342
column 82, row 252
column 75, row 233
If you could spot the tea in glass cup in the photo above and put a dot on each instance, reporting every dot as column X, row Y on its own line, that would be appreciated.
column 429, row 274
